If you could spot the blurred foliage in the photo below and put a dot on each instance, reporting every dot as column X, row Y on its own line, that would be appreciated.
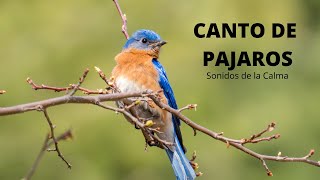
column 54, row 41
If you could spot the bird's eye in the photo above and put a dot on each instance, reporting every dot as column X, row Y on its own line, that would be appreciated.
column 144, row 40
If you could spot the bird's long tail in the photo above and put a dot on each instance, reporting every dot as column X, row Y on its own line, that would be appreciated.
column 180, row 163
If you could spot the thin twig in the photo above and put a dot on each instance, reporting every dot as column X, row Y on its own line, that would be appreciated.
column 122, row 111
column 195, row 165
column 189, row 107
column 155, row 130
column 73, row 87
column 275, row 136
column 46, row 144
column 163, row 142
column 59, row 89
column 54, row 138
column 80, row 82
column 102, row 75
column 264, row 164
column 42, row 86
column 253, row 138
column 123, row 18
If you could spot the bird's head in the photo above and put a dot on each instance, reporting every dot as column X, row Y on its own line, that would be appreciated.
column 145, row 40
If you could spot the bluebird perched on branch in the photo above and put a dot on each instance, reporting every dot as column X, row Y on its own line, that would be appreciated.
column 138, row 69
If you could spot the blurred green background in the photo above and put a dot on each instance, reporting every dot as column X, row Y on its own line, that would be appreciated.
column 54, row 41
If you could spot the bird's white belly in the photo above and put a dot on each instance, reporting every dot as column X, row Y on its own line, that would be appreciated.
column 126, row 85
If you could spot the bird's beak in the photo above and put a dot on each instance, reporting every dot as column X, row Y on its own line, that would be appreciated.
column 159, row 44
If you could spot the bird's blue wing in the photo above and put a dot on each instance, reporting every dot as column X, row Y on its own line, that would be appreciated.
column 168, row 92
column 165, row 85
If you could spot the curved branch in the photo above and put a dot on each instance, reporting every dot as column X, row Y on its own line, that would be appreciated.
column 46, row 144
column 96, row 100
column 123, row 18
column 53, row 137
column 236, row 143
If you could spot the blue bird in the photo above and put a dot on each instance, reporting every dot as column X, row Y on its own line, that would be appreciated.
column 138, row 69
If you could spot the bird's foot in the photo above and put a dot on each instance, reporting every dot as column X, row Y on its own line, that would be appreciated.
column 136, row 126
column 155, row 143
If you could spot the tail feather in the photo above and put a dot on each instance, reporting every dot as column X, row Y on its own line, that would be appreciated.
column 180, row 164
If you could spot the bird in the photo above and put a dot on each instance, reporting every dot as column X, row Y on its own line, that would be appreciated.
column 138, row 69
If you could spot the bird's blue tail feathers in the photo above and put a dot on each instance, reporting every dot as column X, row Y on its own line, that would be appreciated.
column 180, row 163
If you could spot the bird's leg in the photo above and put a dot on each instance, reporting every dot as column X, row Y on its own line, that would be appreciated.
column 150, row 140
column 136, row 126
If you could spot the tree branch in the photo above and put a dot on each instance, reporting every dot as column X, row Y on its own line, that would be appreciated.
column 73, row 87
column 76, row 87
column 238, row 144
column 145, row 125
column 46, row 144
column 52, row 136
column 123, row 18
column 66, row 99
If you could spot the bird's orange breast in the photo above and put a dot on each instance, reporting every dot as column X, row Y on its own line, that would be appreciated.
column 136, row 67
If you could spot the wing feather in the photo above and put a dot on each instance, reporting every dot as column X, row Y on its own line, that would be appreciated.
column 168, row 92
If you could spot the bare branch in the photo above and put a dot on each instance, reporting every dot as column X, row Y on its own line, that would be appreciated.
column 46, row 144
column 253, row 138
column 123, row 18
column 195, row 165
column 52, row 136
column 189, row 107
column 56, row 89
column 145, row 124
column 59, row 89
column 66, row 100
column 311, row 153
column 102, row 75
column 231, row 142
column 76, row 87
column 275, row 136
column 264, row 164
column 163, row 142
column 122, row 111
column 73, row 87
